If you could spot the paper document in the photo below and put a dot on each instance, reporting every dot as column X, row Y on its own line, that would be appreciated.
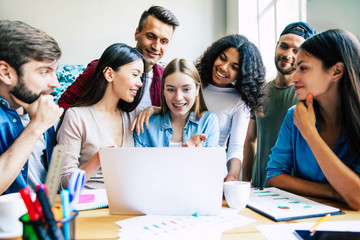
column 181, row 227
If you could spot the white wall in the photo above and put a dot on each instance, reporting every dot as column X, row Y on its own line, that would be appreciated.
column 84, row 28
column 326, row 14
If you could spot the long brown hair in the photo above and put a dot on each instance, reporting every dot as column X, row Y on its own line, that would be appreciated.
column 186, row 67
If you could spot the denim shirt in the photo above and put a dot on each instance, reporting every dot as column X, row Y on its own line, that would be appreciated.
column 159, row 132
column 291, row 153
column 10, row 128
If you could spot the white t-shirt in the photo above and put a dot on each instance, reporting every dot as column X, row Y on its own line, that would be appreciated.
column 233, row 117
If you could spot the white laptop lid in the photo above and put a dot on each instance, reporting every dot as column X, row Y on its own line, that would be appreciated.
column 164, row 181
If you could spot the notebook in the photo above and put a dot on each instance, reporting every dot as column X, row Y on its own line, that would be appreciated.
column 164, row 181
column 280, row 205
column 92, row 199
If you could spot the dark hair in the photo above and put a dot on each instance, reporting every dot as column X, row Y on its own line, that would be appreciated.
column 115, row 56
column 163, row 14
column 186, row 67
column 250, row 82
column 21, row 43
column 335, row 46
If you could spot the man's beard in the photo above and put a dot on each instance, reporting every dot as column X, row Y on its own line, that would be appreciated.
column 282, row 70
column 21, row 92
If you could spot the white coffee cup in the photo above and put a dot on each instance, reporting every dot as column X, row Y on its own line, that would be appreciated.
column 12, row 207
column 237, row 194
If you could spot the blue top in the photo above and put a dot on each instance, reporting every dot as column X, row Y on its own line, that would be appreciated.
column 291, row 153
column 10, row 128
column 159, row 132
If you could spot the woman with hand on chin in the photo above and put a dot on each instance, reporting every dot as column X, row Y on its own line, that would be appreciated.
column 101, row 117
column 183, row 120
column 318, row 141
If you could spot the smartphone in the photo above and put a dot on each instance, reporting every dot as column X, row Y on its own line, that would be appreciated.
column 327, row 235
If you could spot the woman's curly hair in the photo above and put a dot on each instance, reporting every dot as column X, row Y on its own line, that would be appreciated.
column 250, row 82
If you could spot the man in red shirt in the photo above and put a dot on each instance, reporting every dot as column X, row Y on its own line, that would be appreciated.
column 153, row 34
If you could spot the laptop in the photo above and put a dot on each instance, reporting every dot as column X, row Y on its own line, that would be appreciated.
column 164, row 181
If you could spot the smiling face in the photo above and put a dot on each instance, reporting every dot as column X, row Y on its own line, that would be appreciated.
column 127, row 80
column 153, row 39
column 180, row 92
column 286, row 51
column 311, row 77
column 37, row 78
column 226, row 68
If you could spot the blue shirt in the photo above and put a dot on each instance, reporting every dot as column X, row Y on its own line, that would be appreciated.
column 159, row 130
column 292, row 153
column 10, row 128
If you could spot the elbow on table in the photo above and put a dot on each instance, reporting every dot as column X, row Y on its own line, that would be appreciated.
column 354, row 203
column 272, row 182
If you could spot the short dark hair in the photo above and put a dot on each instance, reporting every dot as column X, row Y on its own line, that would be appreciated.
column 163, row 14
column 250, row 82
column 115, row 56
column 21, row 43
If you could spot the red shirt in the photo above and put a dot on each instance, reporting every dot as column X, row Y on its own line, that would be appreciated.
column 74, row 91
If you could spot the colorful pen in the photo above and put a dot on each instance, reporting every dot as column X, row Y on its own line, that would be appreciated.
column 55, row 232
column 33, row 214
column 25, row 194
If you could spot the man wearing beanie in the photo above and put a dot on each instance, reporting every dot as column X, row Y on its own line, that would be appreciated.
column 263, row 130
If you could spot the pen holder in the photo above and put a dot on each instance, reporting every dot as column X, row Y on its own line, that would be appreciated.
column 31, row 229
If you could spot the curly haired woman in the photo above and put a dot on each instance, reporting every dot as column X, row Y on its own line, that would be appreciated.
column 233, row 76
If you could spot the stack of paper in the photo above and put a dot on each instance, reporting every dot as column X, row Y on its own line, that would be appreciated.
column 181, row 227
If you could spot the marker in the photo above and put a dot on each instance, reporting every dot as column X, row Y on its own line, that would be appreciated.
column 55, row 232
column 65, row 203
column 25, row 194
column 38, row 207
column 313, row 229
column 33, row 214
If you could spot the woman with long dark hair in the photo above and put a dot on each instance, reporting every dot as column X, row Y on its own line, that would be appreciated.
column 101, row 117
column 317, row 152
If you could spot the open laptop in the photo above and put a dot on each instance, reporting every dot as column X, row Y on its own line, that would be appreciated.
column 164, row 181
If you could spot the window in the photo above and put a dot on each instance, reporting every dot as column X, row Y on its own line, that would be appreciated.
column 262, row 21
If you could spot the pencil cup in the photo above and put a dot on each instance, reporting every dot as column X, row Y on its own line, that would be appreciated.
column 39, row 230
column 237, row 194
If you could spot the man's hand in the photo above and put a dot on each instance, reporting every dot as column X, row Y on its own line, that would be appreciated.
column 43, row 112
column 142, row 118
